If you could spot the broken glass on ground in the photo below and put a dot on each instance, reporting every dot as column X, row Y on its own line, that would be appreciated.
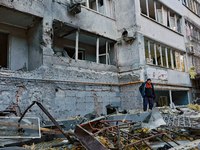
column 28, row 127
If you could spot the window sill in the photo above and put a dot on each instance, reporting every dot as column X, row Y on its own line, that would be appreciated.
column 192, row 11
column 160, row 24
column 98, row 12
column 69, row 62
column 163, row 67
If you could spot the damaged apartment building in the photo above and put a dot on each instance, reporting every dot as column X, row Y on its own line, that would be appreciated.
column 76, row 57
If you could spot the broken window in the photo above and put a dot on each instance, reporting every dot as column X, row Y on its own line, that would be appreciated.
column 188, row 4
column 178, row 60
column 4, row 50
column 166, row 17
column 12, row 129
column 159, row 12
column 20, row 38
column 173, row 59
column 184, row 2
column 152, row 53
column 172, row 21
column 93, row 4
column 69, row 52
column 101, row 6
column 89, row 44
column 193, row 5
column 178, row 19
column 158, row 54
column 164, row 63
column 104, row 49
column 147, row 59
column 182, row 57
column 169, row 58
column 192, row 31
column 151, row 9
column 143, row 6
column 81, row 45
column 198, row 9
column 163, row 56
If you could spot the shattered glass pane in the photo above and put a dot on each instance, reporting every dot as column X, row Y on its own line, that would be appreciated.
column 28, row 127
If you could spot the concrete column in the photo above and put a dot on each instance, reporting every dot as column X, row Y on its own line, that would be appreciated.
column 97, row 50
column 106, row 52
column 76, row 49
column 170, row 97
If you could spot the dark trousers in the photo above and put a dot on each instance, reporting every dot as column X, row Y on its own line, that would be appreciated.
column 147, row 100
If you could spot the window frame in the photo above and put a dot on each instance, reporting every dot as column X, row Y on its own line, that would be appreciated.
column 162, row 11
column 174, row 63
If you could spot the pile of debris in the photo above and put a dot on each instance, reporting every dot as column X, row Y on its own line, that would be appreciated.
column 161, row 129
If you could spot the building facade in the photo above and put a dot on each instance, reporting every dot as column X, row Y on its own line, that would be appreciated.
column 76, row 58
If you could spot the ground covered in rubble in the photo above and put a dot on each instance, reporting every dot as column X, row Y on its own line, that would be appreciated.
column 163, row 128
column 53, row 145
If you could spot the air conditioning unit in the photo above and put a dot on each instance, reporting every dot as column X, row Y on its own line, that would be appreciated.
column 191, row 49
column 75, row 6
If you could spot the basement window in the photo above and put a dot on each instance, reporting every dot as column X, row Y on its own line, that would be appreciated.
column 161, row 55
column 163, row 15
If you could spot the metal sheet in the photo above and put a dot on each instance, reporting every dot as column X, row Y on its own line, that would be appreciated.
column 29, row 127
column 87, row 140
